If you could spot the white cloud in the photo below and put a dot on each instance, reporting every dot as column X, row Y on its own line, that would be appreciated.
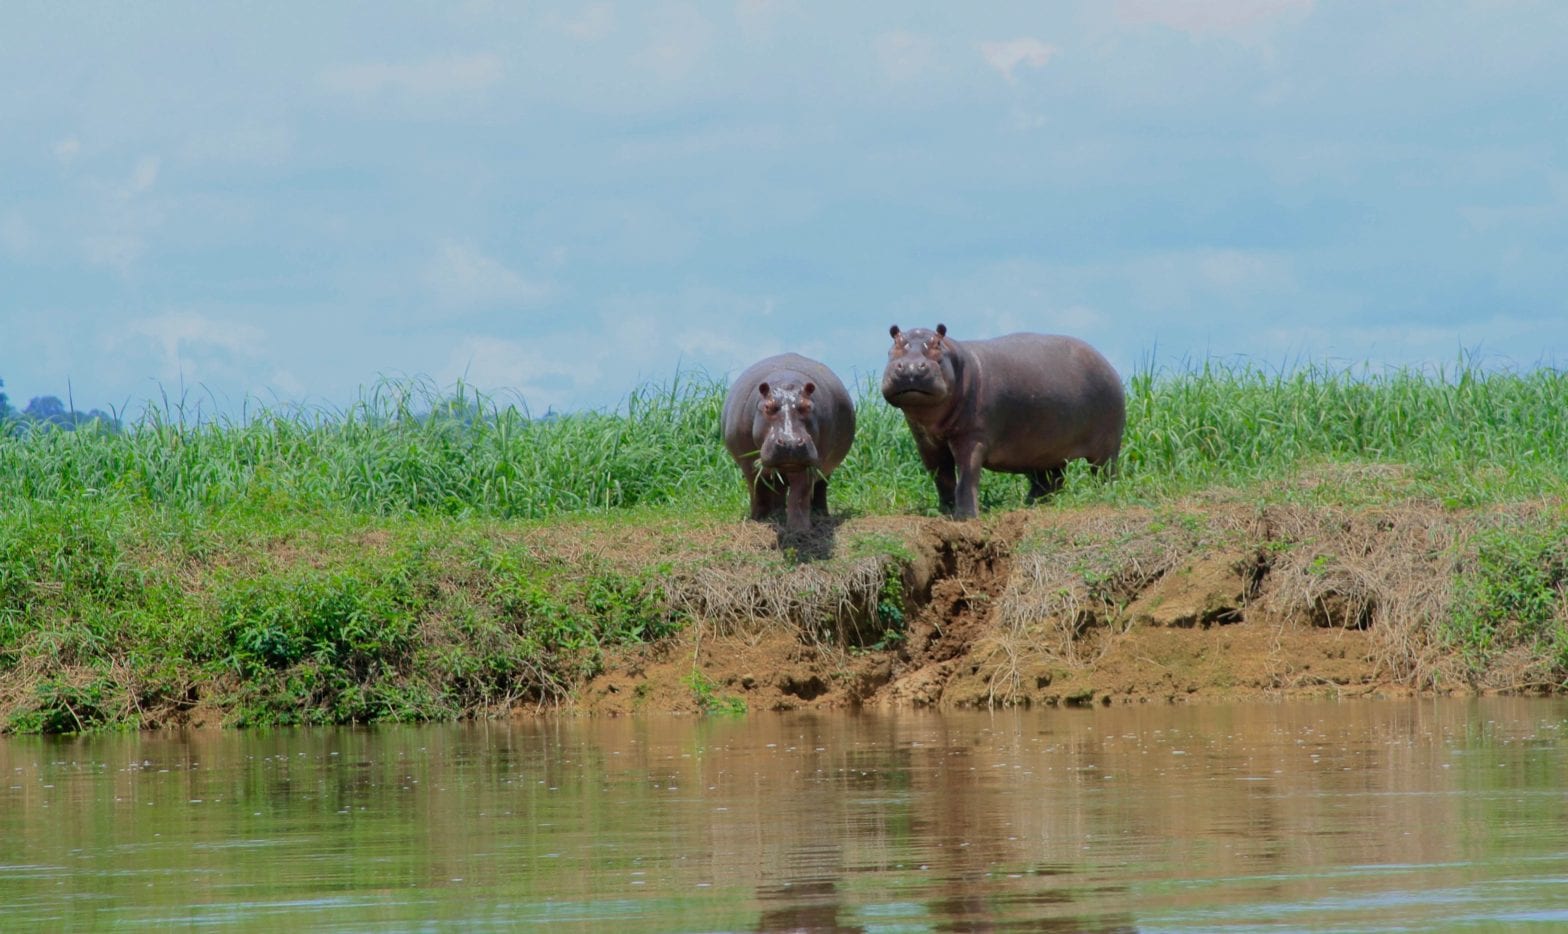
column 1231, row 19
column 534, row 370
column 1409, row 343
column 143, row 177
column 1026, row 120
column 680, row 39
column 116, row 235
column 723, row 344
column 460, row 276
column 592, row 23
column 903, row 56
column 66, row 150
column 246, row 143
column 757, row 18
column 433, row 78
column 116, row 251
column 1207, row 277
column 17, row 237
column 189, row 347
column 1008, row 54
column 287, row 384
column 703, row 142
column 1075, row 319
column 1241, row 269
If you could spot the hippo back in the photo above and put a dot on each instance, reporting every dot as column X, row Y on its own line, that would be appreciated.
column 834, row 408
column 1046, row 398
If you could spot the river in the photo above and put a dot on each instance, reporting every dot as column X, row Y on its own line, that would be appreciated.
column 1363, row 816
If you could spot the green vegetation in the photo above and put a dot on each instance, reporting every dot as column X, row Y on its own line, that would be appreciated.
column 312, row 565
column 1517, row 596
column 1465, row 438
column 708, row 697
column 130, row 617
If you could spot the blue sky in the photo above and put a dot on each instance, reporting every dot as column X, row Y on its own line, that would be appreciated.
column 287, row 201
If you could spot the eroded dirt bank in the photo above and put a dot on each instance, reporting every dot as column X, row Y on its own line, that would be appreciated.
column 1056, row 607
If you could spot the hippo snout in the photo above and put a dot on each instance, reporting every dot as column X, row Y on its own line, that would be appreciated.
column 788, row 451
column 912, row 380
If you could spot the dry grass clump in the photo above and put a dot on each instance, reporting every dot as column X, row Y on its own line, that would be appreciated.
column 1443, row 599
column 1388, row 571
column 833, row 600
column 1068, row 581
column 1065, row 580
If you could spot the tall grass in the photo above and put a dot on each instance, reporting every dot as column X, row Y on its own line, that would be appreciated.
column 1464, row 436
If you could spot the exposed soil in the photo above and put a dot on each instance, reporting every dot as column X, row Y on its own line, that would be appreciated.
column 1054, row 607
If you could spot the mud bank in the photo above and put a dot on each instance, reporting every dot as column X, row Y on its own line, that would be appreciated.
column 1058, row 607
column 174, row 621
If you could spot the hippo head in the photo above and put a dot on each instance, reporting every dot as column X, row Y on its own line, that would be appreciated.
column 785, row 426
column 919, row 370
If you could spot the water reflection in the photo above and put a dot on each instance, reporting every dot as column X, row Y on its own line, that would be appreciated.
column 1356, row 816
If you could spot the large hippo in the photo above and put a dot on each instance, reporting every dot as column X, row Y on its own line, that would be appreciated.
column 1024, row 403
column 788, row 422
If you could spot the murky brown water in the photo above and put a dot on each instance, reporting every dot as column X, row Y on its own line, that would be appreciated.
column 1353, row 816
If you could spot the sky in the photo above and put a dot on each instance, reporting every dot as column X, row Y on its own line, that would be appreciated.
column 285, row 202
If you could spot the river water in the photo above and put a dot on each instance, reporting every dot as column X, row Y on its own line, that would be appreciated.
column 1364, row 816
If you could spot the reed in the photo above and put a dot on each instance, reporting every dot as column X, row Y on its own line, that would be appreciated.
column 1464, row 436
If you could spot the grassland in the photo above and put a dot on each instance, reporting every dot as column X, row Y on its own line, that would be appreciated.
column 410, row 557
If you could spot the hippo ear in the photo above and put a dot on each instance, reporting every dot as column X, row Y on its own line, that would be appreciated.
column 941, row 330
column 764, row 389
column 893, row 332
column 808, row 389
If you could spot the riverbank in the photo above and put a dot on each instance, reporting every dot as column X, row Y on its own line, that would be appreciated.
column 1101, row 606
column 433, row 555
column 172, row 621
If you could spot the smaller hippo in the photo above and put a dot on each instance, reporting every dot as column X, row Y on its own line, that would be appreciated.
column 1023, row 403
column 788, row 422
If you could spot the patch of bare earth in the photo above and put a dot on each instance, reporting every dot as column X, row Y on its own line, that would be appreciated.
column 1054, row 606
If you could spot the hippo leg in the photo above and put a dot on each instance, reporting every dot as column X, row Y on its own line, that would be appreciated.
column 968, row 456
column 1042, row 483
column 946, row 478
column 819, row 497
column 797, row 510
column 938, row 459
column 763, row 496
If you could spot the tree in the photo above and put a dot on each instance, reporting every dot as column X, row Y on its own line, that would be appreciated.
column 49, row 411
column 5, row 404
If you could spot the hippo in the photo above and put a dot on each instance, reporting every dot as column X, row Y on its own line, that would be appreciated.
column 1023, row 403
column 788, row 422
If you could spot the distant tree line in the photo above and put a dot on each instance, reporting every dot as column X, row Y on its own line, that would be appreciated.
column 50, row 412
column 462, row 407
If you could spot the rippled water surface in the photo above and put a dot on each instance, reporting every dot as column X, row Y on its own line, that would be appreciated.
column 1354, row 816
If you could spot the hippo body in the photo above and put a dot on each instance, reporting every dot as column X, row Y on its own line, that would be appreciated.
column 788, row 423
column 1023, row 403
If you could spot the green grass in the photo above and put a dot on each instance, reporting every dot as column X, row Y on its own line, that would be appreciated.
column 128, row 617
column 1465, row 437
column 226, row 558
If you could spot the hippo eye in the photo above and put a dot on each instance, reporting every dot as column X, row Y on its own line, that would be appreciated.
column 771, row 407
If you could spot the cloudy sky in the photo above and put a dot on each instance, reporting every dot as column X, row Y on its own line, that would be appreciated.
column 288, row 201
